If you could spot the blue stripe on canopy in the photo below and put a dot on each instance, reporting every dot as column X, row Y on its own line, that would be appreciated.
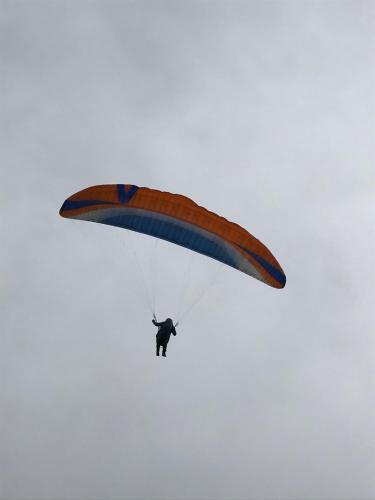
column 275, row 273
column 125, row 196
column 173, row 232
column 73, row 205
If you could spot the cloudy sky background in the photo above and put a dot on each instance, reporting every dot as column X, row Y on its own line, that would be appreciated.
column 260, row 111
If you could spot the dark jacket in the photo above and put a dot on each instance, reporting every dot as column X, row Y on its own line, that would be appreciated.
column 166, row 328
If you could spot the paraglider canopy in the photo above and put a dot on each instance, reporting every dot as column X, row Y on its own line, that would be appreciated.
column 177, row 219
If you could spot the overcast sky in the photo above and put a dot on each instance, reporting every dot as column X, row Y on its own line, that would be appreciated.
column 261, row 111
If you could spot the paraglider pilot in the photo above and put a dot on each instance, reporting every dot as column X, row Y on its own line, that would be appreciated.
column 166, row 328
